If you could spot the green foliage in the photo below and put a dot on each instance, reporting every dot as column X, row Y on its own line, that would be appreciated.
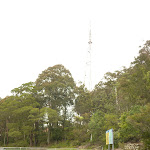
column 100, row 123
column 56, row 86
column 83, row 100
column 141, row 121
column 54, row 109
column 96, row 125
column 127, row 132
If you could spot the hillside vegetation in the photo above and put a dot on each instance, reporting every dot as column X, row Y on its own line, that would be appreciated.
column 54, row 110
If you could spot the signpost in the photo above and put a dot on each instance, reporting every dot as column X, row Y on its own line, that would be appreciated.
column 110, row 139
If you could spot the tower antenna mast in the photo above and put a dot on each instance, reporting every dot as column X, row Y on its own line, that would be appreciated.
column 88, row 76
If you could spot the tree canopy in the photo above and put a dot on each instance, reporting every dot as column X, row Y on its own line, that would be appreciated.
column 54, row 109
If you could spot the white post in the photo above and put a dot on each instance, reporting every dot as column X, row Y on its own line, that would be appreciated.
column 108, row 146
column 91, row 138
column 113, row 147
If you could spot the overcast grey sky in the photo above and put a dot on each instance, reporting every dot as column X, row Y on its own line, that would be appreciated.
column 37, row 34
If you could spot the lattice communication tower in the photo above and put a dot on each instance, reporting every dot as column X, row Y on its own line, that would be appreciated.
column 88, row 78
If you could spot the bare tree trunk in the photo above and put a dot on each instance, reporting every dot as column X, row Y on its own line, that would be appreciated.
column 31, row 139
column 64, row 121
column 36, row 135
column 7, row 131
column 48, row 136
column 5, row 139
